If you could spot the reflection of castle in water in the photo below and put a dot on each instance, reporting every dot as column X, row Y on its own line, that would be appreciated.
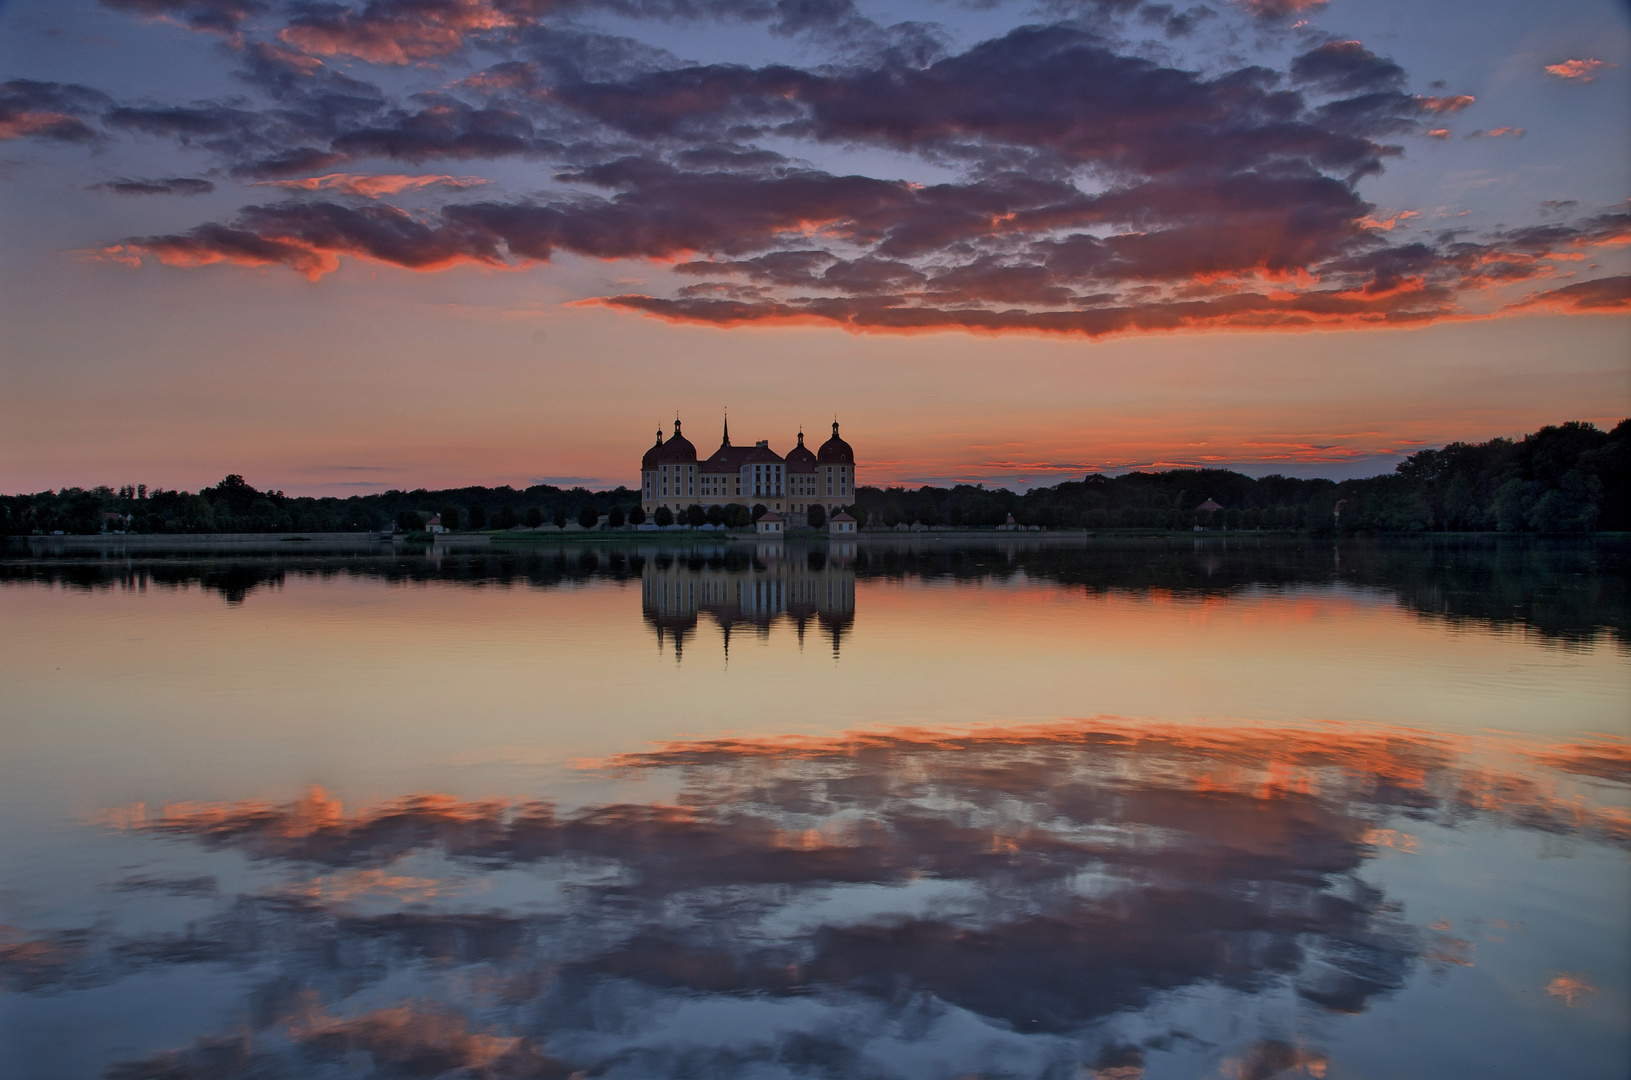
column 756, row 590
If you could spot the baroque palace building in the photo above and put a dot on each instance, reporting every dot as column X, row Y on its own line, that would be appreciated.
column 671, row 475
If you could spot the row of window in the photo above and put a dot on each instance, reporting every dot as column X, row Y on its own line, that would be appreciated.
column 767, row 480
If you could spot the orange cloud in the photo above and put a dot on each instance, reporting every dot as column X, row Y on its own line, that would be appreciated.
column 1601, row 294
column 1570, row 987
column 1452, row 104
column 1605, row 757
column 374, row 186
column 426, row 1037
column 1279, row 9
column 1577, row 70
column 19, row 124
column 431, row 31
column 1438, row 133
column 1387, row 226
column 179, row 251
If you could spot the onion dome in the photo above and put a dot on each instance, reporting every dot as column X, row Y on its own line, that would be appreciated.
column 800, row 459
column 835, row 451
column 654, row 455
column 678, row 448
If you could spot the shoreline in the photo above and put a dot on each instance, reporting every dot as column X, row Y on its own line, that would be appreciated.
column 113, row 545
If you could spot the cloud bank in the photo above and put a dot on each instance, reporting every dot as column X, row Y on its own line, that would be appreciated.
column 1055, row 178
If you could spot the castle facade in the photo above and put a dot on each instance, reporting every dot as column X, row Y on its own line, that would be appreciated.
column 671, row 475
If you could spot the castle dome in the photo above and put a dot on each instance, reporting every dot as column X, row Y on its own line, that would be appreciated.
column 678, row 448
column 800, row 459
column 835, row 451
column 654, row 456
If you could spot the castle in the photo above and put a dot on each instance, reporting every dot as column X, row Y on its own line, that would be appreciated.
column 671, row 475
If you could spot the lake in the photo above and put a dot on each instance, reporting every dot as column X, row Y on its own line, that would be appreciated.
column 901, row 807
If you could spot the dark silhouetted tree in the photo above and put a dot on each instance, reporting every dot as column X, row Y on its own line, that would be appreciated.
column 665, row 517
column 637, row 516
column 560, row 517
column 695, row 515
column 476, row 517
column 409, row 521
column 816, row 515
column 587, row 516
column 534, row 518
column 450, row 517
column 506, row 517
column 614, row 520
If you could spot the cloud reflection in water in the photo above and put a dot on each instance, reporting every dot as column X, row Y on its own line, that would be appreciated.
column 1000, row 901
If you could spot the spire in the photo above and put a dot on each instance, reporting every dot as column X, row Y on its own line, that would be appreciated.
column 676, row 425
column 835, row 427
column 727, row 441
column 659, row 434
column 801, row 435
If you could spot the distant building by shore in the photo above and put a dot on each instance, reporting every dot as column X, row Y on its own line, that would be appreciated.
column 672, row 476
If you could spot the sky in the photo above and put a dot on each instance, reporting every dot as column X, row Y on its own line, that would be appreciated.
column 342, row 246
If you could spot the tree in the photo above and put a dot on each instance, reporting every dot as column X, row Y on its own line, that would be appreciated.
column 560, row 517
column 737, row 516
column 477, row 517
column 588, row 516
column 816, row 515
column 759, row 511
column 716, row 515
column 506, row 517
column 695, row 515
column 1513, row 501
column 409, row 521
column 535, row 517
column 637, row 516
column 615, row 519
column 450, row 517
column 665, row 517
column 1569, row 508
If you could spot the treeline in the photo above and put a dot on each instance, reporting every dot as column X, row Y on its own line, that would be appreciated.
column 236, row 506
column 1564, row 478
column 1570, row 477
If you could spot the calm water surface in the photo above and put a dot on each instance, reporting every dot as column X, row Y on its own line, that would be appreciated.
column 896, row 809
